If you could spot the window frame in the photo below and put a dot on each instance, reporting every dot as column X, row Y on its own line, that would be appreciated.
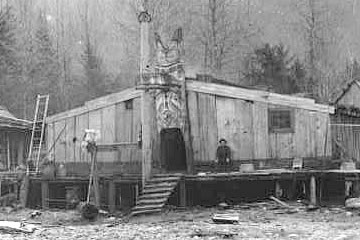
column 129, row 104
column 273, row 129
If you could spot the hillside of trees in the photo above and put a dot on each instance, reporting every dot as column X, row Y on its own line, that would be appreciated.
column 77, row 50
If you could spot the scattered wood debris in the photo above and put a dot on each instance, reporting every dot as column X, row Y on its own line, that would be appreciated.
column 225, row 218
column 224, row 205
column 289, row 208
column 213, row 233
column 11, row 227
column 35, row 214
column 352, row 203
column 311, row 207
column 280, row 202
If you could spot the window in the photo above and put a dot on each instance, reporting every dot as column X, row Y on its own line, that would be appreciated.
column 281, row 120
column 129, row 104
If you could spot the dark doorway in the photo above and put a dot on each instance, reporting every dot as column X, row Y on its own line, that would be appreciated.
column 173, row 155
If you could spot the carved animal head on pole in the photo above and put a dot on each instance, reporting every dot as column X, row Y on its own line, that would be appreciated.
column 169, row 54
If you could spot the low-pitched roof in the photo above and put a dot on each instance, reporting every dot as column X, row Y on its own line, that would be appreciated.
column 8, row 120
column 225, row 90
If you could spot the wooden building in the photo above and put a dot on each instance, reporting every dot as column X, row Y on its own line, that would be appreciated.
column 258, row 125
column 345, row 123
column 14, row 134
column 170, row 124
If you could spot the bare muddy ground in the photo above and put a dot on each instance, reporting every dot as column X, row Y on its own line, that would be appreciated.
column 257, row 221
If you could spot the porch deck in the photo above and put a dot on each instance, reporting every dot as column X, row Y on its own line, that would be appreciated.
column 273, row 174
column 316, row 183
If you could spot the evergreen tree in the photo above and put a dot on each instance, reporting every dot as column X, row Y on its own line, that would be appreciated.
column 95, row 83
column 45, row 72
column 7, row 56
column 272, row 66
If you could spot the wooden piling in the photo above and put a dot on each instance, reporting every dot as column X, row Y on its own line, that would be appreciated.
column 136, row 192
column 182, row 194
column 278, row 190
column 24, row 190
column 45, row 194
column 356, row 188
column 112, row 196
column 313, row 190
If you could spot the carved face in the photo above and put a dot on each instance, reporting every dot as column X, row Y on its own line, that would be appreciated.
column 167, row 55
column 168, row 109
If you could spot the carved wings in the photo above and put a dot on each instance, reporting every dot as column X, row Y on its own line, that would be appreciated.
column 169, row 54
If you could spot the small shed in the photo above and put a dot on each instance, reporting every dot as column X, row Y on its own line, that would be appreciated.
column 346, row 123
column 14, row 135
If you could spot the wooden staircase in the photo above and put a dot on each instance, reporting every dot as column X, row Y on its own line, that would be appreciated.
column 155, row 194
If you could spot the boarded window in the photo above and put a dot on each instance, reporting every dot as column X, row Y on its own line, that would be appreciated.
column 281, row 120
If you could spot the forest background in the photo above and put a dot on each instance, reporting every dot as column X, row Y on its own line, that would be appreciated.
column 77, row 50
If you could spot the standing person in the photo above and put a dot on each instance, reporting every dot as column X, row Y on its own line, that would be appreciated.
column 223, row 153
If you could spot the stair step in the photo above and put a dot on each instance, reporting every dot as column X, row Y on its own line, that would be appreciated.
column 157, row 190
column 152, row 201
column 155, row 195
column 161, row 184
column 163, row 179
column 148, row 207
column 166, row 175
column 140, row 212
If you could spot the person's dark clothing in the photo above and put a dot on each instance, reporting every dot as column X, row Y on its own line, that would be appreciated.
column 223, row 153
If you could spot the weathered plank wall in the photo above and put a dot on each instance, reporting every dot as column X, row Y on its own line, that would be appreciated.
column 244, row 124
column 17, row 149
column 116, row 125
column 203, row 121
column 235, row 124
column 346, row 136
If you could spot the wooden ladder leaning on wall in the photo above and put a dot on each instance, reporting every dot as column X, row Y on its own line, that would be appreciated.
column 38, row 130
column 37, row 136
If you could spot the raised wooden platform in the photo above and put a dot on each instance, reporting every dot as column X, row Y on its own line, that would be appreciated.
column 272, row 174
column 107, row 181
column 314, row 179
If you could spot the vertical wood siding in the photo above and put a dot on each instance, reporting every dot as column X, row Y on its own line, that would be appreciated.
column 244, row 124
column 115, row 123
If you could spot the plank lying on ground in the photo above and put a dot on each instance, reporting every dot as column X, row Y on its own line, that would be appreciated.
column 212, row 233
column 11, row 226
column 225, row 218
column 280, row 202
